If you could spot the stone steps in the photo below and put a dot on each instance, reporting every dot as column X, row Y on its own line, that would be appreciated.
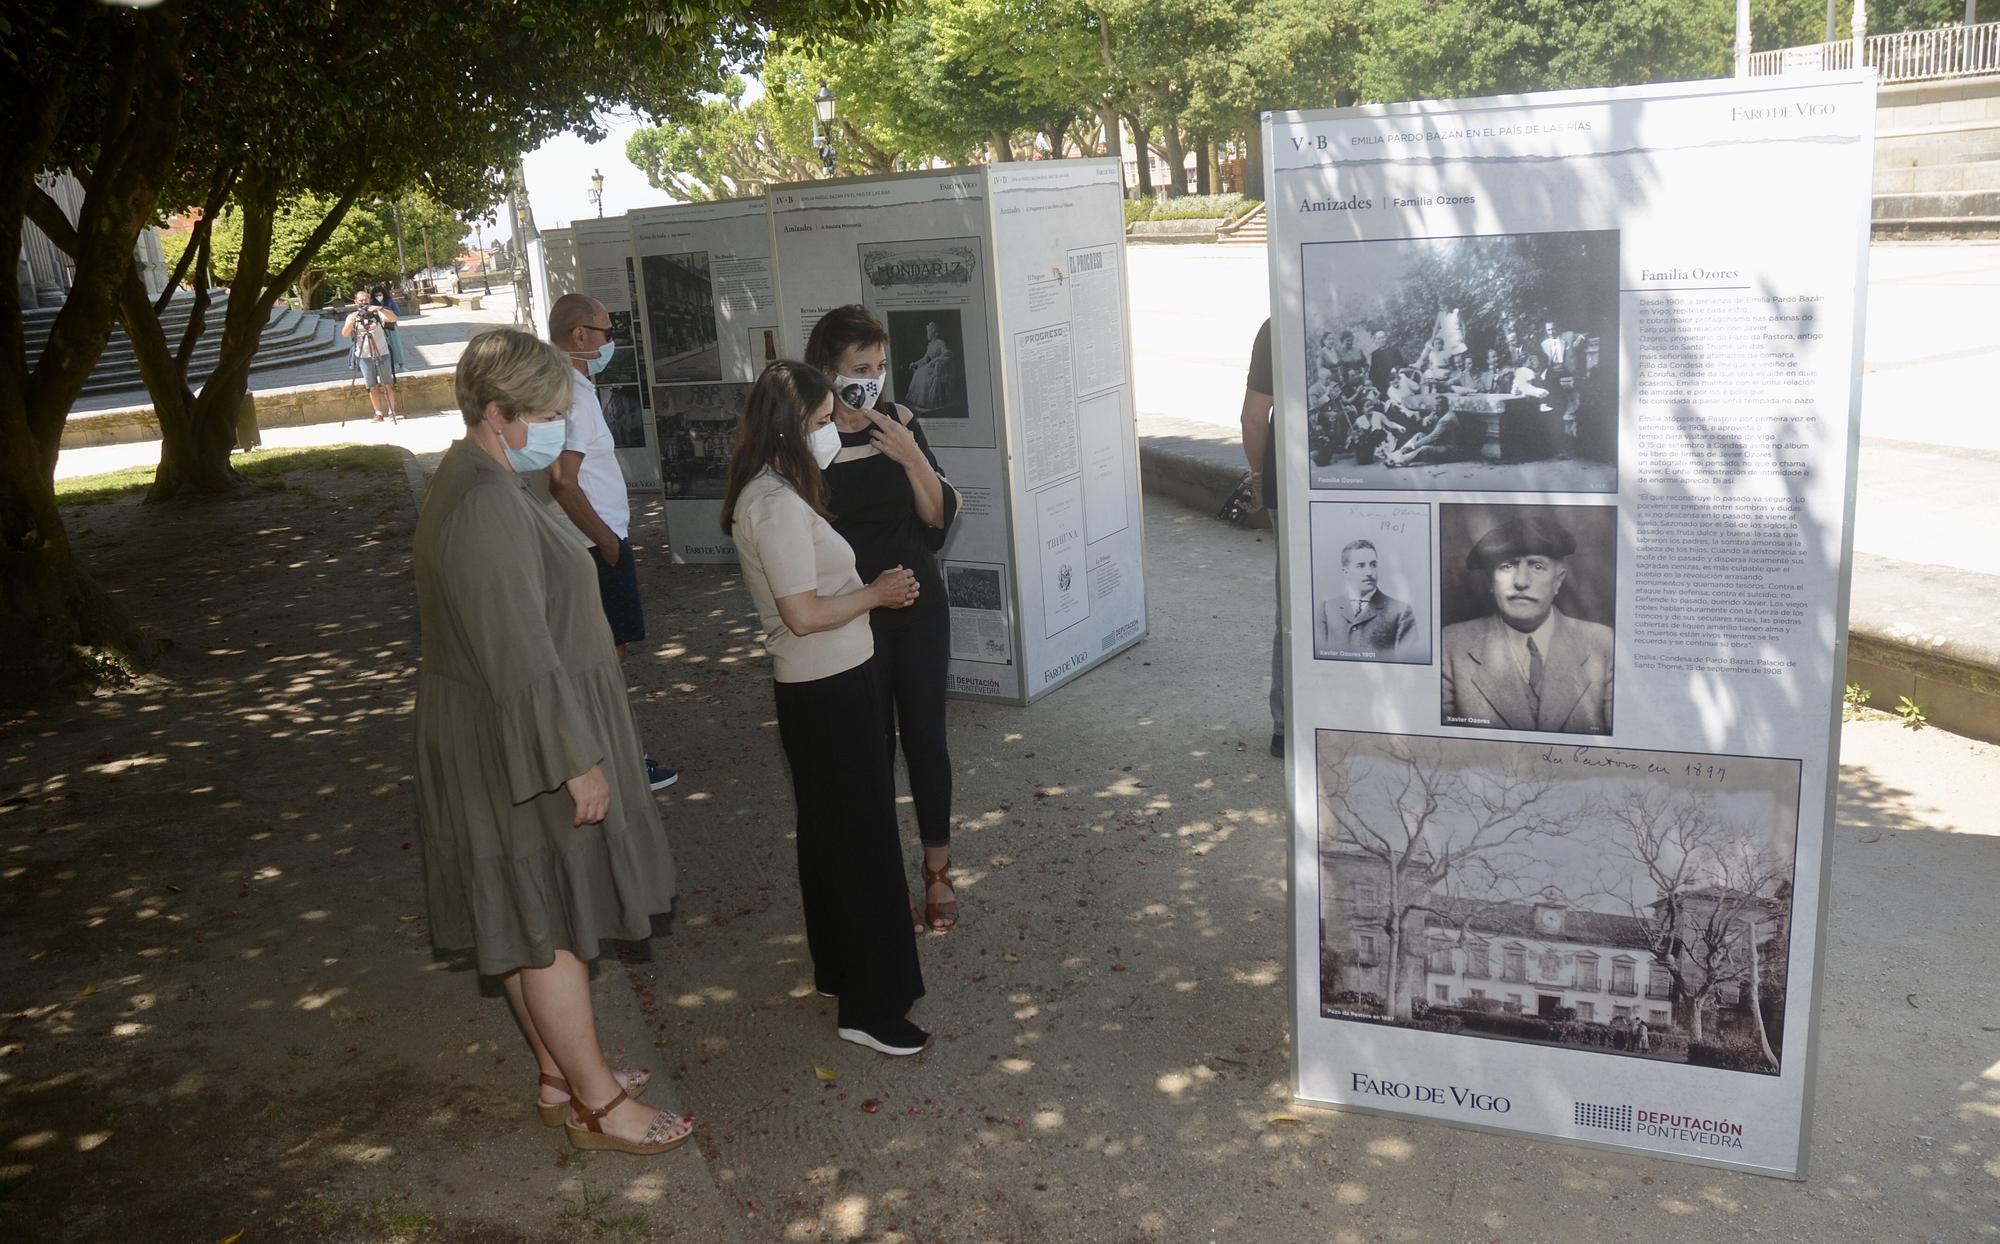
column 290, row 337
column 1938, row 178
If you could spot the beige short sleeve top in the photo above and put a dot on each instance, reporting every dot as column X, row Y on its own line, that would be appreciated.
column 786, row 548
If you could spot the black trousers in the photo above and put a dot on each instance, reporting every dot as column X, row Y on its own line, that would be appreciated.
column 850, row 854
column 913, row 660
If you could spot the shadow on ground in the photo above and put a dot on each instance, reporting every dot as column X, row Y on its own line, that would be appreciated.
column 223, row 1014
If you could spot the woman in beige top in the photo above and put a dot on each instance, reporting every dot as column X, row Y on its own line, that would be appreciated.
column 539, row 835
column 815, row 614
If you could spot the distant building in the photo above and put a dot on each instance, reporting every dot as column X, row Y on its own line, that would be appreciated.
column 42, row 272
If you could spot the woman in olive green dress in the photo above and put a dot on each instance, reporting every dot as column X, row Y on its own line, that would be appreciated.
column 539, row 834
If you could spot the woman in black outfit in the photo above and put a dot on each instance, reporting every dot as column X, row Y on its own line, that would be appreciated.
column 893, row 505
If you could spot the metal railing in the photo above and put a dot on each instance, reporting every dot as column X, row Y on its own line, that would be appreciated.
column 1907, row 56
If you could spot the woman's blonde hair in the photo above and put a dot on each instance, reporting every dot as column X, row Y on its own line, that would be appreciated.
column 516, row 369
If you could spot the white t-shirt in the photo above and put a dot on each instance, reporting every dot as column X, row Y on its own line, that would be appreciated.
column 602, row 482
column 785, row 548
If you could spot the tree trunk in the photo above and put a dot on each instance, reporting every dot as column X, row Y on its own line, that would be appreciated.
column 1757, row 996
column 1114, row 143
column 195, row 440
column 1176, row 157
column 1398, row 1001
column 1253, row 159
column 1142, row 146
column 1003, row 146
column 1204, row 168
column 56, row 626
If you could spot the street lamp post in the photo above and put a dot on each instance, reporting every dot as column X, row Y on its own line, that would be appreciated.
column 823, row 131
column 597, row 191
column 479, row 240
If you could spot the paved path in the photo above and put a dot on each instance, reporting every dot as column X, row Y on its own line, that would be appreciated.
column 228, row 1022
column 1930, row 454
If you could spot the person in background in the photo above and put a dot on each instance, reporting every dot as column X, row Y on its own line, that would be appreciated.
column 894, row 508
column 381, row 297
column 814, row 610
column 368, row 325
column 1260, row 450
column 539, row 839
column 586, row 482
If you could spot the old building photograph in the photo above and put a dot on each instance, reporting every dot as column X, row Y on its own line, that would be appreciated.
column 1629, row 902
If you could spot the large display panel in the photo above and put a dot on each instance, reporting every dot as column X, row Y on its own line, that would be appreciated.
column 1003, row 294
column 604, row 270
column 1568, row 396
column 709, row 317
column 1058, row 226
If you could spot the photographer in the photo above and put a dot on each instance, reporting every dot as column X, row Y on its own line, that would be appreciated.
column 367, row 325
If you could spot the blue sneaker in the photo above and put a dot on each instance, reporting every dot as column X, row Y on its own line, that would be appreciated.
column 659, row 776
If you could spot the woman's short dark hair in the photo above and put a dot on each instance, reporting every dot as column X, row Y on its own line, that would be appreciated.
column 841, row 330
column 771, row 434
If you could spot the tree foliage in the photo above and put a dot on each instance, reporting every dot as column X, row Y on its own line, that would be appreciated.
column 262, row 107
column 361, row 250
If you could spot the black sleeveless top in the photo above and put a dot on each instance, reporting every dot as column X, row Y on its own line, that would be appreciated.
column 875, row 511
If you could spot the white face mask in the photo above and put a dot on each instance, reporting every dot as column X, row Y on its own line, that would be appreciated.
column 858, row 394
column 825, row 444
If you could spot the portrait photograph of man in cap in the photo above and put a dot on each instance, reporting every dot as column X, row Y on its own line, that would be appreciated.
column 1529, row 598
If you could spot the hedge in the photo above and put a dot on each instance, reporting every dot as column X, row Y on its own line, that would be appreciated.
column 1189, row 207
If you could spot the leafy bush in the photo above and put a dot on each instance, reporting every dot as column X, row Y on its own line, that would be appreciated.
column 1356, row 1000
column 1188, row 207
column 1731, row 1056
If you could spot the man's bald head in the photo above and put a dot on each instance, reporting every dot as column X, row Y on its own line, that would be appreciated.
column 577, row 311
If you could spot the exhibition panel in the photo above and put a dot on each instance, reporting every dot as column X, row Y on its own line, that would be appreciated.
column 1568, row 396
column 969, row 272
column 604, row 270
column 1074, row 488
column 708, row 318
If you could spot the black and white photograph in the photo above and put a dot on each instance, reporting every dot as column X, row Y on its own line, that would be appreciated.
column 1464, row 363
column 973, row 587
column 624, row 415
column 980, row 631
column 1528, row 598
column 1371, row 582
column 697, row 429
column 946, row 261
column 927, row 355
column 680, row 316
column 1622, row 902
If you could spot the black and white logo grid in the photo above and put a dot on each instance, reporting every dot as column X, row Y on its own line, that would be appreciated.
column 1610, row 1118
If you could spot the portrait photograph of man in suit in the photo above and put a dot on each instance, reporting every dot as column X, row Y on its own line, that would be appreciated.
column 1371, row 582
column 1528, row 638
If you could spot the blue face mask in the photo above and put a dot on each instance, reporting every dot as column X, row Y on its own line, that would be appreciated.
column 545, row 443
column 602, row 359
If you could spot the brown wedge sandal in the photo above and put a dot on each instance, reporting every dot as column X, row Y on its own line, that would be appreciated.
column 632, row 1079
column 586, row 1130
column 941, row 916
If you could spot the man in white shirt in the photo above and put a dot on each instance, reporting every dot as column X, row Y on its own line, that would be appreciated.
column 586, row 482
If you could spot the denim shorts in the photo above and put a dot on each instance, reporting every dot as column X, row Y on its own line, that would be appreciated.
column 619, row 587
column 376, row 371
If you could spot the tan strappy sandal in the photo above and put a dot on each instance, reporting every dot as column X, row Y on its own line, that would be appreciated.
column 586, row 1130
column 632, row 1079
column 941, row 916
